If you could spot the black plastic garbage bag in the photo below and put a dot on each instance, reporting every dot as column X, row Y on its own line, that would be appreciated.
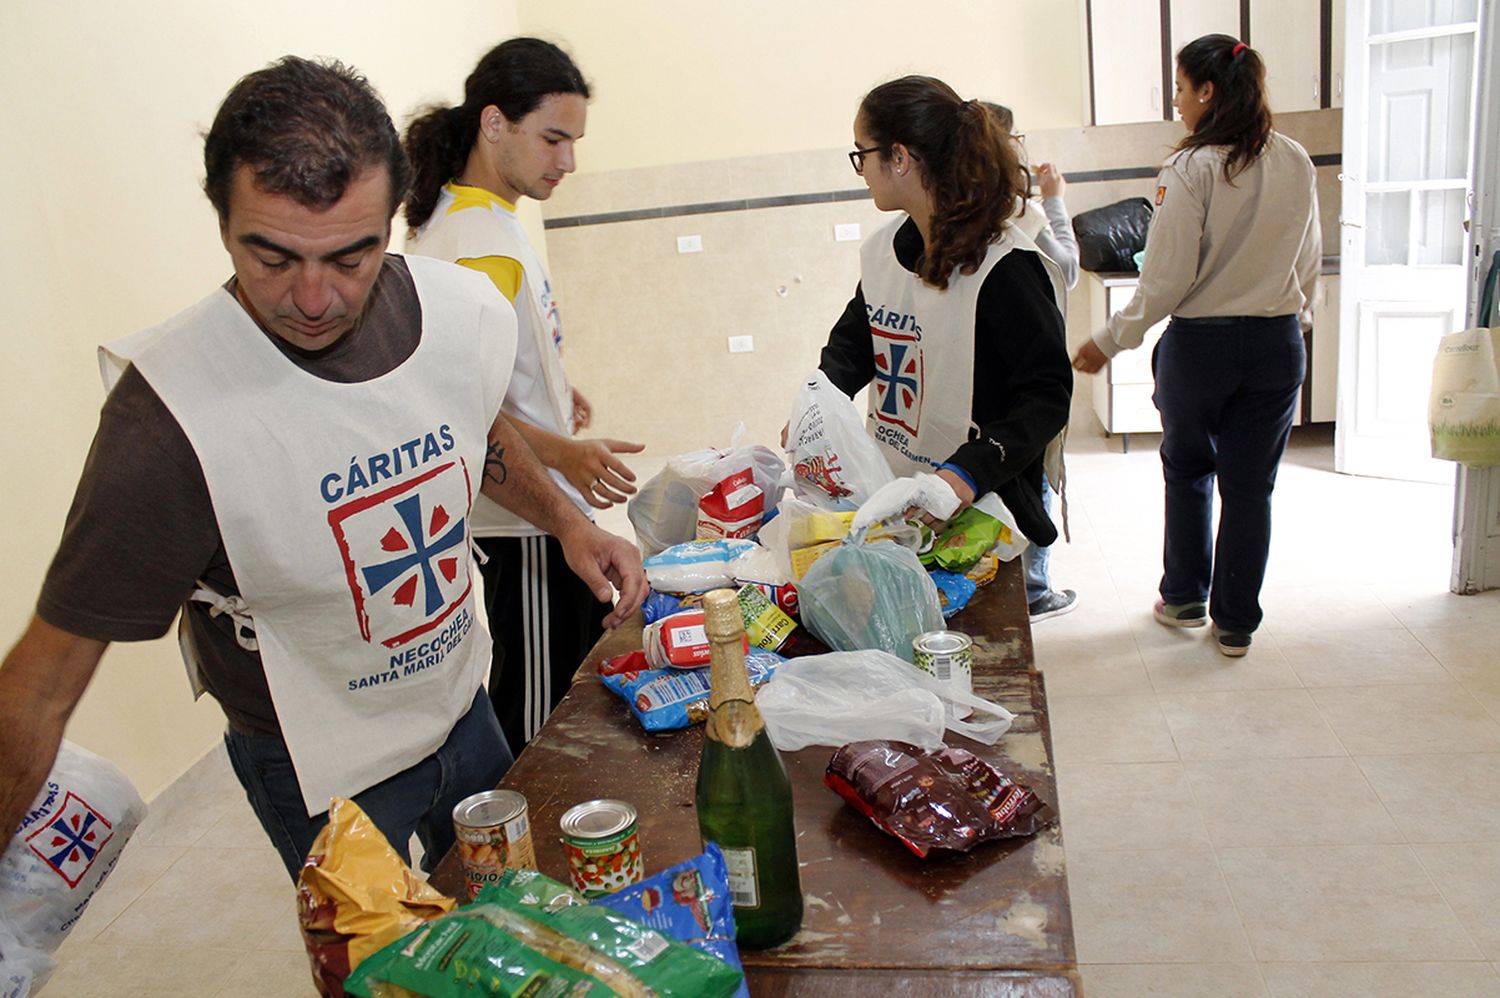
column 1109, row 237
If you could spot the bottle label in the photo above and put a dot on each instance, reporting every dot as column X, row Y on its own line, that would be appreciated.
column 744, row 887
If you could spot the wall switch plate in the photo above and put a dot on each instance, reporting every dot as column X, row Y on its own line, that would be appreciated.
column 690, row 244
column 848, row 232
column 741, row 344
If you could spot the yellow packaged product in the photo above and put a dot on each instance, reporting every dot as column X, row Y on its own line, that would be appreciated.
column 355, row 896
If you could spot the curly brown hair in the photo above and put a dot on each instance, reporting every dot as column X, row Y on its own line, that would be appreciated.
column 969, row 168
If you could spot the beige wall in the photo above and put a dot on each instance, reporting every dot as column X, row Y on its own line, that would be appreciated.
column 106, row 230
column 677, row 81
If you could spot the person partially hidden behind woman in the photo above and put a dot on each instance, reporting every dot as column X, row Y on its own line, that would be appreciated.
column 1233, row 256
column 956, row 318
column 1046, row 221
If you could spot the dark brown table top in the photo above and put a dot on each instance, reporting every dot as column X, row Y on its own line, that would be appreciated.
column 993, row 921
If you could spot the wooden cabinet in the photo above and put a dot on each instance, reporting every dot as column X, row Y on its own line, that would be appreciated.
column 1122, row 391
column 1127, row 58
column 1132, row 51
column 1289, row 37
column 1197, row 18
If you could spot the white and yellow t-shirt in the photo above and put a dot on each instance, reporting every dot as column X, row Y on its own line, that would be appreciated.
column 479, row 230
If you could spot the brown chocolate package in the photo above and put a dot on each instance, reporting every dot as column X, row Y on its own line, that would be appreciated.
column 949, row 799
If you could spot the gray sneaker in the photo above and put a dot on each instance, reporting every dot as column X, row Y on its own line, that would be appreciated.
column 1054, row 603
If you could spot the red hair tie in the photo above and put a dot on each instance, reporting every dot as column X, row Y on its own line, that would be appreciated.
column 1238, row 48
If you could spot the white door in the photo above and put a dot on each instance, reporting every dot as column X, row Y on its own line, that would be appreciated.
column 1408, row 132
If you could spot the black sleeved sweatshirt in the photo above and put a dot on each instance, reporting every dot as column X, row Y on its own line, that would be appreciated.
column 1023, row 380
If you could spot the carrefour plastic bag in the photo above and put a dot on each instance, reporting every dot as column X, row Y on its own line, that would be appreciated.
column 875, row 595
column 666, row 510
column 835, row 464
column 68, row 842
column 852, row 696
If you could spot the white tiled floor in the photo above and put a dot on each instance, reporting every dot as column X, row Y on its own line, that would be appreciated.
column 1320, row 818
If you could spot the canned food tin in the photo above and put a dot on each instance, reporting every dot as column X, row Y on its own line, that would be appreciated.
column 949, row 657
column 494, row 835
column 603, row 846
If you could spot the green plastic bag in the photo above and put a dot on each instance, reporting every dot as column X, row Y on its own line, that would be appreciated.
column 528, row 936
column 666, row 966
column 478, row 952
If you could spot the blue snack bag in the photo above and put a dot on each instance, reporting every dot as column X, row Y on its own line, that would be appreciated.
column 659, row 605
column 669, row 699
column 954, row 590
column 689, row 902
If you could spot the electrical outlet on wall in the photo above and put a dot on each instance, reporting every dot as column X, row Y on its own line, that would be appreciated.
column 690, row 244
column 846, row 232
column 741, row 344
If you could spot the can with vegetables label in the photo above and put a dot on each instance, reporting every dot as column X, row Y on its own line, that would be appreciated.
column 494, row 835
column 603, row 846
column 948, row 656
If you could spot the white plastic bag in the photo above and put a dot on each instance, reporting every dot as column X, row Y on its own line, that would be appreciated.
column 69, row 841
column 846, row 697
column 834, row 462
column 928, row 492
column 665, row 510
column 1012, row 542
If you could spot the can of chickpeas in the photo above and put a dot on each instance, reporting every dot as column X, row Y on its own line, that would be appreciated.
column 494, row 835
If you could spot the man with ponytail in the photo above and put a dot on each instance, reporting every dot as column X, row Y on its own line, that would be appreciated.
column 524, row 109
column 957, row 317
column 1233, row 256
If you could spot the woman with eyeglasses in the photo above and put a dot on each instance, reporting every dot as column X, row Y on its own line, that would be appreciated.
column 955, row 324
column 1233, row 256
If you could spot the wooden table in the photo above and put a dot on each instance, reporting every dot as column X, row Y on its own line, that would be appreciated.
column 878, row 920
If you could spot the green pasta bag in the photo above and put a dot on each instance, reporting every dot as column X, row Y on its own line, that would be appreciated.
column 663, row 964
column 484, row 950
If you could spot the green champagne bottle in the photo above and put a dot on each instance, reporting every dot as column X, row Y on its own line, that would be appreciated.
column 744, row 797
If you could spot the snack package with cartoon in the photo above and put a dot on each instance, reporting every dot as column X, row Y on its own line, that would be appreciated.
column 690, row 902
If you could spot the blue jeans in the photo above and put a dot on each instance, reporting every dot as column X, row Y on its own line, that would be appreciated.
column 418, row 800
column 1036, row 561
column 1227, row 391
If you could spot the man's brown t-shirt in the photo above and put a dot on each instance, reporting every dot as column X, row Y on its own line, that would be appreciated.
column 142, row 531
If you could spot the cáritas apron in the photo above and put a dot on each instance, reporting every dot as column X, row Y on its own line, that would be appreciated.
column 921, row 401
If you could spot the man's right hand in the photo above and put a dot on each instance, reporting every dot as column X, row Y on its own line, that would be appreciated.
column 603, row 560
column 41, row 682
column 592, row 468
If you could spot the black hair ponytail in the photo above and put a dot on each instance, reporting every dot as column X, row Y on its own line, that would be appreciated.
column 1238, row 117
column 515, row 76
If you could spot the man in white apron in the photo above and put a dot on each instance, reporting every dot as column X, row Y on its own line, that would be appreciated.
column 294, row 460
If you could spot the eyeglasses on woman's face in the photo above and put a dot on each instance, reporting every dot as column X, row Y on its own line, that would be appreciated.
column 857, row 157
